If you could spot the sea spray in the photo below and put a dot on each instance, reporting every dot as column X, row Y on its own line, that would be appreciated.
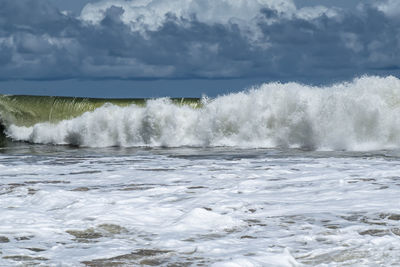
column 358, row 115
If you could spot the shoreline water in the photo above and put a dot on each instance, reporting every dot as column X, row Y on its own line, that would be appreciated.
column 165, row 206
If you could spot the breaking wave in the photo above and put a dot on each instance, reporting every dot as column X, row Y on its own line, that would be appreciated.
column 360, row 115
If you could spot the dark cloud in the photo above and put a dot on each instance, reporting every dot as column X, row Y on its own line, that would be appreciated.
column 37, row 41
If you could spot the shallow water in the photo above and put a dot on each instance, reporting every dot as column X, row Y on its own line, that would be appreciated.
column 197, row 206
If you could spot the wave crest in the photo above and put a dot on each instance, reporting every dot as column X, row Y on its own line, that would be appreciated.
column 358, row 115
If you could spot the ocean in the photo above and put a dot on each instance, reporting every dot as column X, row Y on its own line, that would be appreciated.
column 278, row 175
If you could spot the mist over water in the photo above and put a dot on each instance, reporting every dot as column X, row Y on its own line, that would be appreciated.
column 357, row 115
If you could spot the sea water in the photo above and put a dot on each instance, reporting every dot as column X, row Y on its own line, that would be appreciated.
column 63, row 206
column 280, row 175
column 362, row 115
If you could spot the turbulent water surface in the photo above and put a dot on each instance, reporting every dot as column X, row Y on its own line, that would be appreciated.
column 283, row 175
column 198, row 206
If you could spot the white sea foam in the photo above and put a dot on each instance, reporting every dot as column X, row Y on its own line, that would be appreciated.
column 195, row 206
column 359, row 115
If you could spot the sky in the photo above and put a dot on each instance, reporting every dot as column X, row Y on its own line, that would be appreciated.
column 190, row 48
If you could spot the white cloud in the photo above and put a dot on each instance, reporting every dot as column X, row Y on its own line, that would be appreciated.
column 309, row 13
column 351, row 41
column 144, row 15
column 151, row 14
column 275, row 40
column 389, row 7
column 8, row 41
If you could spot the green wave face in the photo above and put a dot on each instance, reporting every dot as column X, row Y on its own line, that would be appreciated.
column 26, row 111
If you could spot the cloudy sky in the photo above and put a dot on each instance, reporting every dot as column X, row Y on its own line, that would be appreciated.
column 150, row 48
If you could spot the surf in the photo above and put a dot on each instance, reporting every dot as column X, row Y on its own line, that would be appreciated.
column 357, row 115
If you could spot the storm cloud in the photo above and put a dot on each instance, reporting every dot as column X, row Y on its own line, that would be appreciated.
column 206, row 39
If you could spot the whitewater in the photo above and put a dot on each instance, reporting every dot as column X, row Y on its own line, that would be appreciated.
column 282, row 174
column 360, row 115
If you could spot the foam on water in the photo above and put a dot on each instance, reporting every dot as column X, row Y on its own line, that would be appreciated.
column 195, row 206
column 210, row 205
column 361, row 115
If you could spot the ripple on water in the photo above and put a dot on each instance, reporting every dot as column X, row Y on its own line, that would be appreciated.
column 4, row 239
column 91, row 234
column 150, row 257
column 336, row 257
column 28, row 260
